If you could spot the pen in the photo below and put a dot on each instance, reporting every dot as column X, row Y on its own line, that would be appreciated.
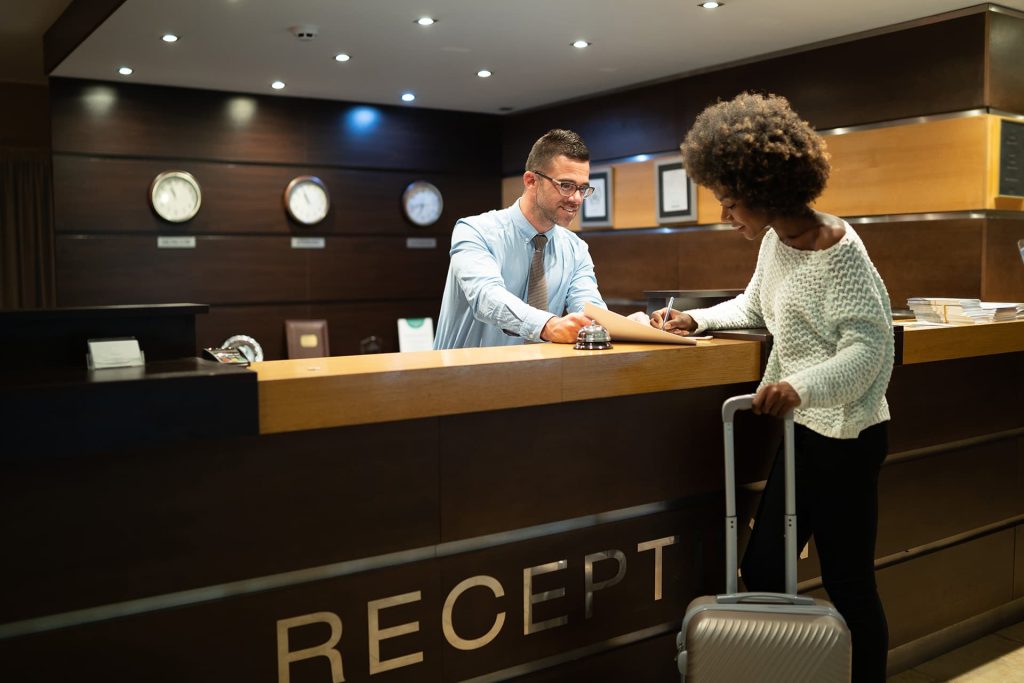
column 668, row 311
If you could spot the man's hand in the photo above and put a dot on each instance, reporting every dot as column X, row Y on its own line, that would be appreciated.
column 564, row 330
column 775, row 399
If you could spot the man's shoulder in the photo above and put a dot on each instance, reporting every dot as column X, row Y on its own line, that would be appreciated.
column 495, row 219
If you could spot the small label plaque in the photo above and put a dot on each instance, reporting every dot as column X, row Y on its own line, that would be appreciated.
column 309, row 242
column 421, row 243
column 176, row 242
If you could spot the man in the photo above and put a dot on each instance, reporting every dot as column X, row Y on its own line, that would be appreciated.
column 490, row 297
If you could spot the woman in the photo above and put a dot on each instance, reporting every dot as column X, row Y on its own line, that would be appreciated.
column 818, row 293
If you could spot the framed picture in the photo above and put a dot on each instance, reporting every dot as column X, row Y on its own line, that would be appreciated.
column 674, row 192
column 597, row 208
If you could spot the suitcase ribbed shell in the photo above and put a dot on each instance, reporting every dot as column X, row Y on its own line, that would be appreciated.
column 734, row 647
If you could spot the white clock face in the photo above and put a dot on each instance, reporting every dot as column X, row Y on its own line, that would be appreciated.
column 306, row 200
column 175, row 196
column 422, row 203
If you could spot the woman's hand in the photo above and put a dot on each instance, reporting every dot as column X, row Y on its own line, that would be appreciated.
column 678, row 322
column 775, row 399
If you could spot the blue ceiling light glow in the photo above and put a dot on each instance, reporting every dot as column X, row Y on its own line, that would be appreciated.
column 362, row 119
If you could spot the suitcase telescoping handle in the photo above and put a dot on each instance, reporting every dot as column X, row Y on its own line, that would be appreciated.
column 729, row 409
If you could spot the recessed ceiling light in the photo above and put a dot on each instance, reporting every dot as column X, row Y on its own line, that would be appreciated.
column 484, row 73
column 581, row 44
column 711, row 5
column 125, row 71
column 408, row 97
column 341, row 57
column 426, row 21
column 169, row 38
column 277, row 85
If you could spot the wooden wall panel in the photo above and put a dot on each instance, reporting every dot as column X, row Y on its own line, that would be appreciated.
column 375, row 268
column 150, row 121
column 634, row 200
column 1005, row 82
column 915, row 258
column 626, row 265
column 715, row 259
column 925, row 167
column 1002, row 271
column 110, row 270
column 103, row 195
column 376, row 136
column 111, row 140
column 926, row 258
column 930, row 69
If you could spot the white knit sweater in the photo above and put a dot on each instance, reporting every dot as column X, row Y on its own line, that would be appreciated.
column 829, row 314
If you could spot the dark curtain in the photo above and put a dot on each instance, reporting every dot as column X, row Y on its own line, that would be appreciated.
column 26, row 229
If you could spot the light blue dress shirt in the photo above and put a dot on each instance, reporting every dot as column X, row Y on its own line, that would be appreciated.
column 485, row 294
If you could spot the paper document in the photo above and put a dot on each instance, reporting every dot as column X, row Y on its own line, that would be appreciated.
column 623, row 329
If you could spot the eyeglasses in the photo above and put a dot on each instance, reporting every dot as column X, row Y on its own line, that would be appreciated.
column 567, row 188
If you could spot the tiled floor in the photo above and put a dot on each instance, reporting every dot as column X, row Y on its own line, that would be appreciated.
column 997, row 658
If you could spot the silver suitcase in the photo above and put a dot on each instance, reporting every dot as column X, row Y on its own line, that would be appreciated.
column 763, row 637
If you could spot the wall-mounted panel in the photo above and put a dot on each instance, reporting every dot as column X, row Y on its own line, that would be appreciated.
column 148, row 121
column 914, row 258
column 376, row 136
column 1005, row 83
column 934, row 166
column 115, row 269
column 376, row 268
column 929, row 69
column 926, row 258
column 1002, row 269
column 626, row 266
column 110, row 195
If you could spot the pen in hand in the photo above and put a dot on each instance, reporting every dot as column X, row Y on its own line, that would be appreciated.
column 668, row 311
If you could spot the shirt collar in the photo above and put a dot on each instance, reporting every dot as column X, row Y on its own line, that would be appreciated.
column 525, row 228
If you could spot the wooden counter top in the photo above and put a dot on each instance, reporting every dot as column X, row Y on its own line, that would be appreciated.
column 926, row 343
column 349, row 390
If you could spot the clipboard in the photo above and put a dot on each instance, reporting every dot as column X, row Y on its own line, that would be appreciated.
column 623, row 329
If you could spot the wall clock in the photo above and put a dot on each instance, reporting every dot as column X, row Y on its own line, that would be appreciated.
column 422, row 203
column 306, row 199
column 175, row 196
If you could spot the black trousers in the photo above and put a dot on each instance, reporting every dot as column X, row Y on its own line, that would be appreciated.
column 837, row 503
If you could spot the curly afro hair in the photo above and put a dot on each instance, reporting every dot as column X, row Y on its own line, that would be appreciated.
column 755, row 148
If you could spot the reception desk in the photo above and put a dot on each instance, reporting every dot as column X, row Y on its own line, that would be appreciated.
column 480, row 514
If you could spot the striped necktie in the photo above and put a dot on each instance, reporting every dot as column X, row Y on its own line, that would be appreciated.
column 537, row 289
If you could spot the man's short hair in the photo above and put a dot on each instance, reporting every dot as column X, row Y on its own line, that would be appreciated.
column 557, row 142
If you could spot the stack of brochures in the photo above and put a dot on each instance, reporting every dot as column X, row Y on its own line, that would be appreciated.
column 954, row 310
